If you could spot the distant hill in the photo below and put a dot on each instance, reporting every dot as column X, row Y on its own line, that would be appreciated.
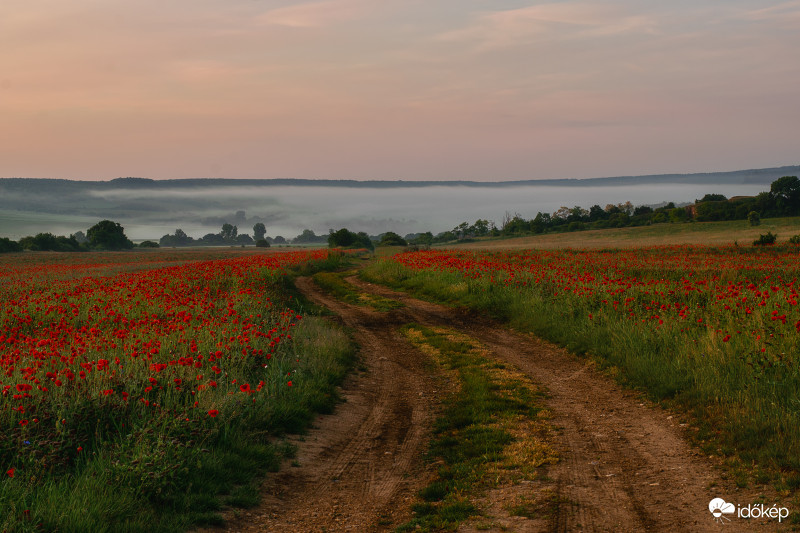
column 753, row 176
column 152, row 208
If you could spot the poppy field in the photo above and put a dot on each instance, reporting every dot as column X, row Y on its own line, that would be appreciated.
column 712, row 331
column 128, row 377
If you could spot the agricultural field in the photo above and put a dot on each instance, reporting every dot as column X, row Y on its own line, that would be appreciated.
column 733, row 232
column 712, row 331
column 150, row 388
column 156, row 390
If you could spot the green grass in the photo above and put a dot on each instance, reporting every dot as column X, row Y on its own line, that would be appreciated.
column 485, row 435
column 335, row 284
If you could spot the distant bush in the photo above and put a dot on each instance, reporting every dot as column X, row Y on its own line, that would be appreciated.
column 754, row 218
column 576, row 226
column 7, row 245
column 344, row 238
column 244, row 239
column 764, row 240
column 148, row 244
column 44, row 242
column 309, row 237
column 391, row 238
column 262, row 243
column 108, row 235
column 795, row 239
column 180, row 238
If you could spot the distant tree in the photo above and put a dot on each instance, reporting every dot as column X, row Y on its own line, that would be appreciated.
column 80, row 237
column 562, row 213
column 48, row 242
column 308, row 236
column 7, row 245
column 711, row 198
column 576, row 226
column 626, row 208
column 597, row 213
column 659, row 217
column 515, row 226
column 715, row 210
column 244, row 239
column 279, row 240
column 148, row 244
column 180, row 238
column 461, row 230
column 259, row 230
column 423, row 238
column 480, row 228
column 764, row 204
column 212, row 239
column 786, row 193
column 229, row 232
column 363, row 241
column 444, row 236
column 262, row 243
column 108, row 235
column 754, row 218
column 391, row 238
column 619, row 219
column 345, row 238
column 642, row 210
column 341, row 238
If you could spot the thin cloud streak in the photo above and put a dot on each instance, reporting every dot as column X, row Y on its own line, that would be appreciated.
column 318, row 14
column 561, row 21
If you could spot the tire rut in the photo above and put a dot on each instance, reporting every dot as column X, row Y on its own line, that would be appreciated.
column 626, row 465
column 360, row 467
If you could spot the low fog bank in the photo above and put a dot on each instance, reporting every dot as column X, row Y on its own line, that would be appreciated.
column 149, row 213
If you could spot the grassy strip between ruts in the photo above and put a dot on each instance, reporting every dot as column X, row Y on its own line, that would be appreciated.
column 334, row 283
column 755, row 438
column 173, row 475
column 493, row 433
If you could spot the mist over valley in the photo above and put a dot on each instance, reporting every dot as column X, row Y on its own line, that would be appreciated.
column 149, row 209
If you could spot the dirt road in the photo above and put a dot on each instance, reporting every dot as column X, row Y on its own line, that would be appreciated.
column 624, row 463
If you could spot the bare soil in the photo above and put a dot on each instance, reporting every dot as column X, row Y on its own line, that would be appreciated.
column 625, row 464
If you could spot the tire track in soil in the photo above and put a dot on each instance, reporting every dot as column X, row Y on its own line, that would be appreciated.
column 625, row 465
column 360, row 467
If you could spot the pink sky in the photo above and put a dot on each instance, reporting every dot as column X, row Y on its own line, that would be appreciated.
column 390, row 89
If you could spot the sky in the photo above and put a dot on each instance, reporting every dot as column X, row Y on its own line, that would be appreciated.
column 485, row 90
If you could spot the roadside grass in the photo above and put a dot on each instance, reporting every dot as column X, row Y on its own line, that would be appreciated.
column 147, row 471
column 742, row 409
column 335, row 284
column 493, row 431
column 179, row 476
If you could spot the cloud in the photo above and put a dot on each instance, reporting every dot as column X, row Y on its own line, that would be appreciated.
column 317, row 14
column 785, row 14
column 502, row 29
